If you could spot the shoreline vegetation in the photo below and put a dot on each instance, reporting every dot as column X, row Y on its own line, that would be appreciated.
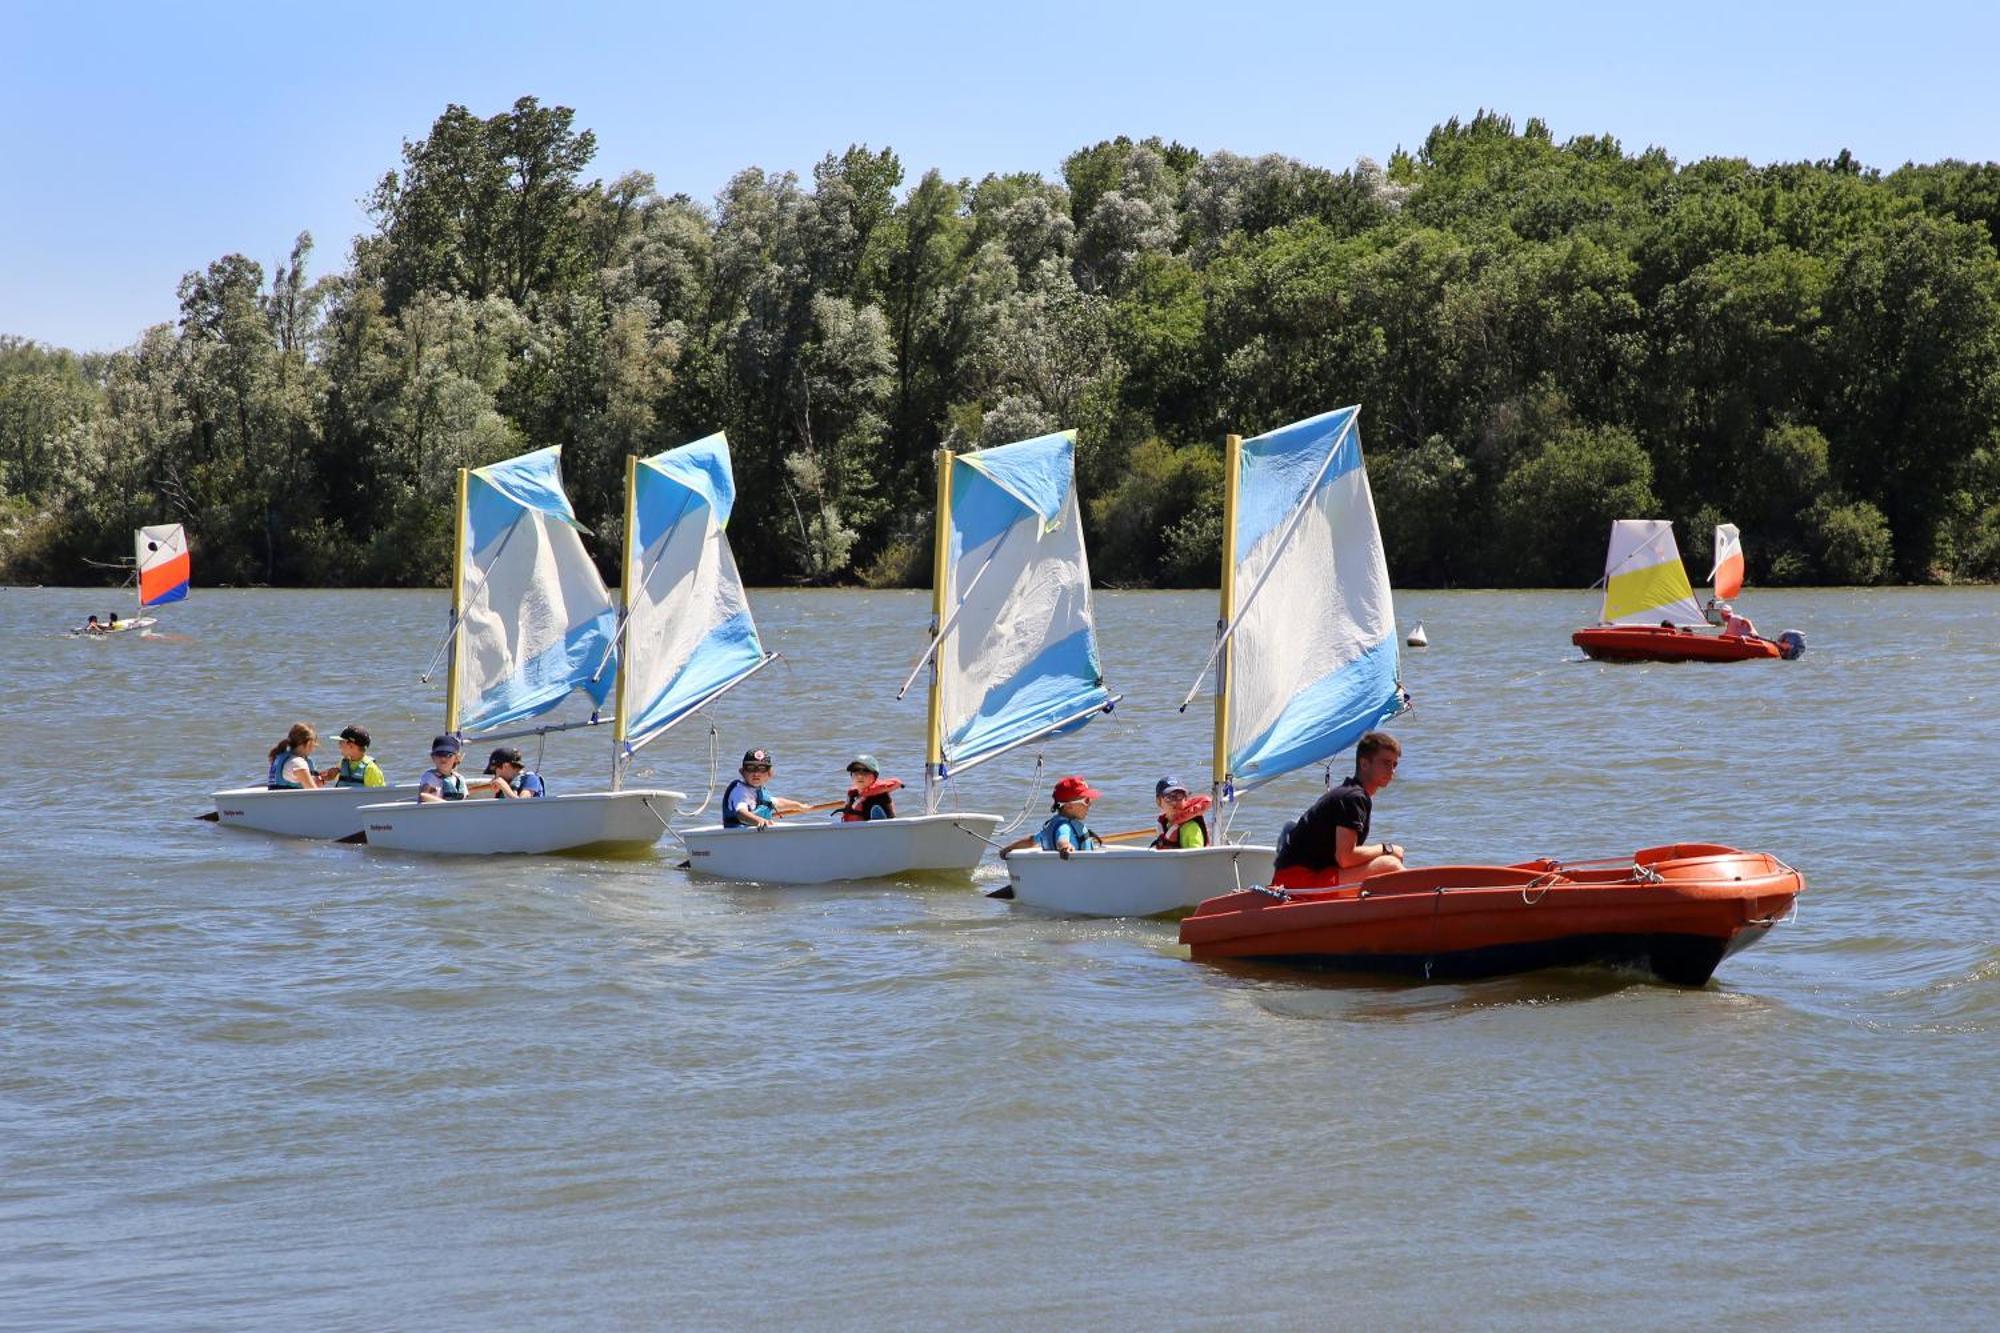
column 1543, row 336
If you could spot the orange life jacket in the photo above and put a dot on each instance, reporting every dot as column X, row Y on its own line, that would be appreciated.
column 1170, row 829
column 856, row 809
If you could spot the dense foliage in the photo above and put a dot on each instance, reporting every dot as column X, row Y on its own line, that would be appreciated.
column 1543, row 336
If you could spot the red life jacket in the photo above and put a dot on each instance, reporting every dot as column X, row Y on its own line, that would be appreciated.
column 1192, row 809
column 858, row 798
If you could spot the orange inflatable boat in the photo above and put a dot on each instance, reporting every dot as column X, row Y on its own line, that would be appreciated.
column 1674, row 911
column 1659, row 643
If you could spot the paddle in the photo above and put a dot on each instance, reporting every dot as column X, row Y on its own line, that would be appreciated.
column 823, row 805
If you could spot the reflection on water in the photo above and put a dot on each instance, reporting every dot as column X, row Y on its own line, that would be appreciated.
column 257, row 1081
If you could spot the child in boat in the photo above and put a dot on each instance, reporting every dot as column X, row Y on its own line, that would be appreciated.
column 510, row 775
column 91, row 626
column 746, row 803
column 356, row 768
column 442, row 781
column 868, row 792
column 1064, row 831
column 291, row 760
column 1181, row 822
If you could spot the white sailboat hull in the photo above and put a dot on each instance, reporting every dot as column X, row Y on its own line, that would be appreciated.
column 324, row 812
column 819, row 851
column 1134, row 881
column 620, row 821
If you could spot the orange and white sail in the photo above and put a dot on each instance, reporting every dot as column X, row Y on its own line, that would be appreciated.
column 1727, row 576
column 163, row 564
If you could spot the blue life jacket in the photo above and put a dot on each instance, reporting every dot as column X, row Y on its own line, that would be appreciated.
column 450, row 785
column 356, row 775
column 1080, row 836
column 735, row 794
column 526, row 784
column 277, row 780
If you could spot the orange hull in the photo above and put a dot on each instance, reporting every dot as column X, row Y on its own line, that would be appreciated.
column 1676, row 911
column 1656, row 643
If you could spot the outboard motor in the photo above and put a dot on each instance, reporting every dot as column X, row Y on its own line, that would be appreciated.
column 1791, row 645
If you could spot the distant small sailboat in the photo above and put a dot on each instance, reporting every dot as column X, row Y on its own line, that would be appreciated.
column 1649, row 612
column 160, row 568
column 1416, row 638
column 1291, row 690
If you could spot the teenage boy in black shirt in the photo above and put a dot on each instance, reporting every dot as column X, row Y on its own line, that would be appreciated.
column 1328, row 843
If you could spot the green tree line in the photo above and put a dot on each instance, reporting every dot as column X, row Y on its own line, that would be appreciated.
column 1543, row 336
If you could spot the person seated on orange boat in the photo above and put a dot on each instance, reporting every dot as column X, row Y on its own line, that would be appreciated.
column 1328, row 844
column 868, row 792
column 1181, row 823
column 1735, row 626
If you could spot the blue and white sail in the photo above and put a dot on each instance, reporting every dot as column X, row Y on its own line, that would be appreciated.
column 688, row 634
column 535, row 619
column 1313, row 661
column 1017, row 653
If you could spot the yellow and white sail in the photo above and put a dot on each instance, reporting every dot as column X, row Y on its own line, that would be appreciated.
column 1644, row 580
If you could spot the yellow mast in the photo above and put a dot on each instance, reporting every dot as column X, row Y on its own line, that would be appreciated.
column 1232, row 467
column 940, row 575
column 627, row 585
column 451, row 690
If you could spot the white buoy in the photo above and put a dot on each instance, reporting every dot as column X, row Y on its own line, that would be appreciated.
column 1416, row 637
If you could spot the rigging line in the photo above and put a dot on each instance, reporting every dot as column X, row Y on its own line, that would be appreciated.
column 1284, row 538
column 1035, row 780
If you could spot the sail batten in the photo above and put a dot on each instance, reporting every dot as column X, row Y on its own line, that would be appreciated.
column 1018, row 656
column 538, row 621
column 1314, row 660
column 689, row 634
column 1644, row 580
column 162, row 552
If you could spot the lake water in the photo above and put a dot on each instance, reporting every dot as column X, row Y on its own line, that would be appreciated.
column 248, row 1082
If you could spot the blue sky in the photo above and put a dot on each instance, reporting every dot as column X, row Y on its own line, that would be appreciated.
column 145, row 140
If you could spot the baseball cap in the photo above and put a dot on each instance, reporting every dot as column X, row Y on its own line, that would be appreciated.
column 359, row 735
column 865, row 761
column 506, row 754
column 1075, row 789
column 445, row 744
column 1165, row 785
column 756, row 758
